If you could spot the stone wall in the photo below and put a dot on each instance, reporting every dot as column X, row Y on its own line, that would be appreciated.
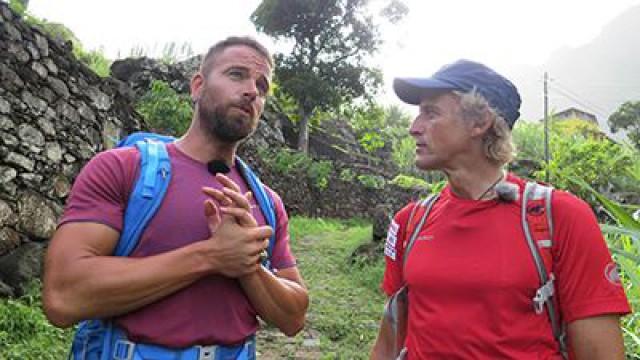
column 55, row 114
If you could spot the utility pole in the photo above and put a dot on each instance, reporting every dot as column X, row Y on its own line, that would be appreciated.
column 546, row 127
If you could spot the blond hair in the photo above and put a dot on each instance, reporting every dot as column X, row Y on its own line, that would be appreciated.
column 497, row 141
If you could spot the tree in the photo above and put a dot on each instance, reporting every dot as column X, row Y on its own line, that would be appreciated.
column 331, row 41
column 627, row 117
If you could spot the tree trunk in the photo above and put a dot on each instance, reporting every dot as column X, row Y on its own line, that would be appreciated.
column 303, row 131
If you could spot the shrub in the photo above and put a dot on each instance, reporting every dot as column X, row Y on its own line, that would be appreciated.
column 409, row 182
column 372, row 181
column 165, row 110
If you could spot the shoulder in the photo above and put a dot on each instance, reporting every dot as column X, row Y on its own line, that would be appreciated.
column 118, row 157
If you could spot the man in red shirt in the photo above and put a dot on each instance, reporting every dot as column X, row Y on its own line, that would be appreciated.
column 470, row 273
column 195, row 278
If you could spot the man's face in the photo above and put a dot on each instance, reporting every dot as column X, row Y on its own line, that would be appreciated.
column 442, row 136
column 230, row 98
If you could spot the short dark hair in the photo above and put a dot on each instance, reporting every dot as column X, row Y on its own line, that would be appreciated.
column 216, row 49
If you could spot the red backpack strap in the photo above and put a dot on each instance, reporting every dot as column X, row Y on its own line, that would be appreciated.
column 537, row 225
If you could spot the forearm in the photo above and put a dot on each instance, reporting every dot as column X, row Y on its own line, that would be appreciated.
column 597, row 338
column 106, row 286
column 278, row 300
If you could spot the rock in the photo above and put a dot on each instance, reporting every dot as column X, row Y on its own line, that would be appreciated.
column 6, row 290
column 30, row 135
column 382, row 215
column 9, row 240
column 5, row 106
column 20, row 267
column 7, row 174
column 59, row 87
column 53, row 152
column 20, row 160
column 36, row 218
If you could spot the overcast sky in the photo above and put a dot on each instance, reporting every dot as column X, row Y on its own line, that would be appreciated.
column 500, row 33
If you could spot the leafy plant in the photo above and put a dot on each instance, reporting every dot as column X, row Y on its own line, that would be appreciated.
column 287, row 161
column 372, row 181
column 409, row 182
column 624, row 242
column 165, row 110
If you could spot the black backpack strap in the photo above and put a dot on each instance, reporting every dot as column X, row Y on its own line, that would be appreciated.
column 546, row 291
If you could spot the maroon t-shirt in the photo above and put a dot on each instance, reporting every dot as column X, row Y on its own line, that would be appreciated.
column 214, row 309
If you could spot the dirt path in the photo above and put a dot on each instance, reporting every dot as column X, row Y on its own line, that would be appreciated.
column 344, row 311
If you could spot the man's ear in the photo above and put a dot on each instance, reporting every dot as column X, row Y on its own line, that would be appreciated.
column 197, row 81
column 482, row 125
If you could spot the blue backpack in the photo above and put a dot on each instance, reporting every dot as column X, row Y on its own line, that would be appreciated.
column 93, row 338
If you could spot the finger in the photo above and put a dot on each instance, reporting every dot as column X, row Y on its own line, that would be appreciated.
column 218, row 195
column 238, row 199
column 227, row 182
column 261, row 232
column 242, row 216
column 212, row 213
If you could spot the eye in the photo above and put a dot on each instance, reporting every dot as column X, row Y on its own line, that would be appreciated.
column 236, row 73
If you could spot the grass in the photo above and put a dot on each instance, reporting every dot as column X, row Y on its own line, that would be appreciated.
column 25, row 333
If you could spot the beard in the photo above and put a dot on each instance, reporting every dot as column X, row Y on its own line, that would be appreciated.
column 220, row 123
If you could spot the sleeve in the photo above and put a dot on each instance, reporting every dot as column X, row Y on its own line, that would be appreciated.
column 588, row 283
column 281, row 258
column 394, row 251
column 101, row 190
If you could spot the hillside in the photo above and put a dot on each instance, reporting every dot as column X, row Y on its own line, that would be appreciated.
column 597, row 77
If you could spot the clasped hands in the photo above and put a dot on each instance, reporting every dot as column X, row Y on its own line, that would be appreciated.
column 237, row 242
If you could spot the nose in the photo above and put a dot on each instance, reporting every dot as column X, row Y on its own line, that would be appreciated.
column 250, row 92
column 415, row 129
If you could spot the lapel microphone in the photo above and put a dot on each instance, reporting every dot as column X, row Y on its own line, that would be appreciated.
column 506, row 191
column 217, row 166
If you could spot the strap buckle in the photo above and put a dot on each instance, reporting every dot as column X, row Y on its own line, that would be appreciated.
column 123, row 350
column 206, row 352
column 543, row 294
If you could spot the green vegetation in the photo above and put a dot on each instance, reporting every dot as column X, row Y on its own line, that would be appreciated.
column 409, row 182
column 627, row 118
column 287, row 161
column 25, row 333
column 331, row 41
column 346, row 303
column 165, row 110
column 372, row 181
column 623, row 237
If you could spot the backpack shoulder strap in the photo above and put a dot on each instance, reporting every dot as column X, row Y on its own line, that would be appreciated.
column 535, row 192
column 147, row 195
column 265, row 202
column 427, row 204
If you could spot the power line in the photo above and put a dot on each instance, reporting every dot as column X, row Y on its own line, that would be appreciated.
column 566, row 89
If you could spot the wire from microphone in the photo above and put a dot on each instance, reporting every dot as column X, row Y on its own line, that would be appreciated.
column 218, row 166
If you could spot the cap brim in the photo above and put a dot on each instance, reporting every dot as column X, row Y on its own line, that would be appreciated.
column 414, row 90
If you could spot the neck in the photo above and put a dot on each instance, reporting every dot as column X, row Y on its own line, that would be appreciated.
column 196, row 144
column 475, row 183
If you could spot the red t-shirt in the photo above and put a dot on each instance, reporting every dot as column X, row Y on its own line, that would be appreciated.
column 212, row 310
column 471, row 278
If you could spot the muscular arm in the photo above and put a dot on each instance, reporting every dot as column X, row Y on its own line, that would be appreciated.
column 81, row 281
column 597, row 338
column 279, row 299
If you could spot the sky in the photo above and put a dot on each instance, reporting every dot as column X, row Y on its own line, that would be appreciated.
column 503, row 34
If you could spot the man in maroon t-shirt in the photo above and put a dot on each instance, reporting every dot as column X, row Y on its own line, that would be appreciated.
column 195, row 277
column 470, row 274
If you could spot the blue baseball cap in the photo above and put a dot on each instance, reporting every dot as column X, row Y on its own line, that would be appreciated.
column 466, row 76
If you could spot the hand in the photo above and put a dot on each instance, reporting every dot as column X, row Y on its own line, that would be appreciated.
column 235, row 253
